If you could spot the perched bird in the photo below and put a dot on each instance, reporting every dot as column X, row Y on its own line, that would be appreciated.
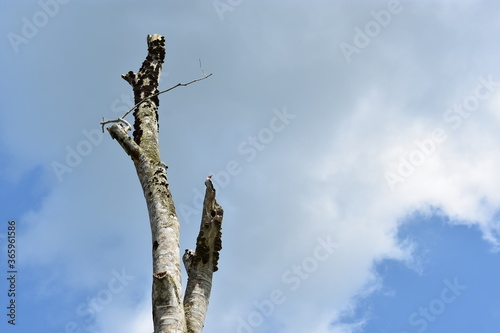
column 208, row 182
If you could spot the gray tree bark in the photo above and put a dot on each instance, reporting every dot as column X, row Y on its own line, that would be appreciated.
column 171, row 314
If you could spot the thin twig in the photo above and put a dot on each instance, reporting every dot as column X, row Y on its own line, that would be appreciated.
column 127, row 128
column 122, row 118
column 202, row 70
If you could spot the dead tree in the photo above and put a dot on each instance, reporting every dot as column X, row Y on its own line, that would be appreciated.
column 171, row 313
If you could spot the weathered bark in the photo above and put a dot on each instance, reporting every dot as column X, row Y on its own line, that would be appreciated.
column 169, row 314
column 202, row 262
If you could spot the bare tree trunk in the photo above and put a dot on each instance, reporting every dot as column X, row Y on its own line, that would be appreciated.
column 170, row 313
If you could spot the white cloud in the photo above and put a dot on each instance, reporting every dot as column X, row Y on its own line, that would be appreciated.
column 324, row 175
column 458, row 178
column 126, row 316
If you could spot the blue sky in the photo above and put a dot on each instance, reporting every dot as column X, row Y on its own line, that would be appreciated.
column 353, row 146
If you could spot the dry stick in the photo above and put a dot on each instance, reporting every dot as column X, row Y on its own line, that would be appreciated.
column 121, row 119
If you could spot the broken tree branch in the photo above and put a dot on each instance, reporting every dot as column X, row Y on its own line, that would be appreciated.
column 118, row 133
column 202, row 263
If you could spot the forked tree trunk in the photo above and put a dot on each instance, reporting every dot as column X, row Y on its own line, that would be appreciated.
column 171, row 314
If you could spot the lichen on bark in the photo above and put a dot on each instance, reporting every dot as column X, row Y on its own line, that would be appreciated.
column 171, row 314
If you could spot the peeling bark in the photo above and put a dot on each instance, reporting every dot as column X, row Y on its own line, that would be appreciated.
column 170, row 313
